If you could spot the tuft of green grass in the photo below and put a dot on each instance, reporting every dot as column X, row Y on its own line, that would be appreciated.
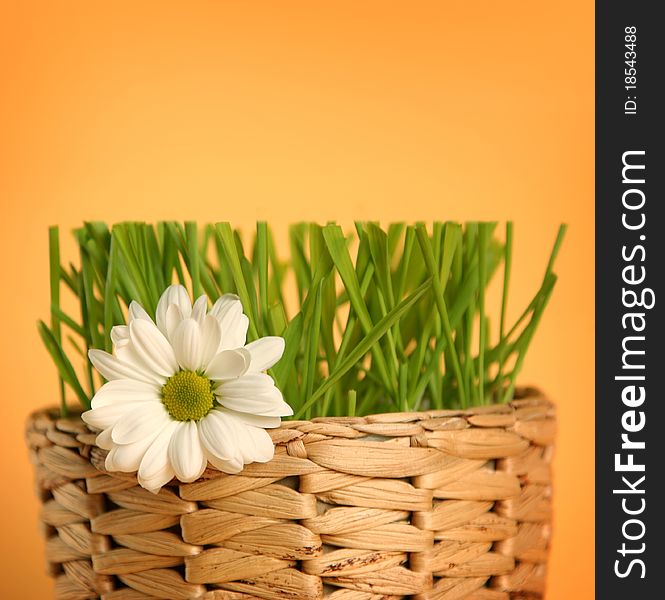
column 374, row 320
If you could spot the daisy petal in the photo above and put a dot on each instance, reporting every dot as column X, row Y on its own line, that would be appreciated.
column 119, row 335
column 107, row 416
column 155, row 469
column 265, row 353
column 137, row 424
column 211, row 336
column 187, row 344
column 255, row 420
column 253, row 393
column 113, row 463
column 223, row 304
column 256, row 445
column 236, row 333
column 111, row 367
column 124, row 390
column 174, row 294
column 219, row 436
column 128, row 354
column 173, row 319
column 233, row 323
column 200, row 309
column 153, row 347
column 228, row 364
column 104, row 440
column 155, row 483
column 232, row 467
column 127, row 457
column 109, row 461
column 185, row 452
column 136, row 311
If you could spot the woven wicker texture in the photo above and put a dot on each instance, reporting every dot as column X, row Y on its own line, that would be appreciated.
column 441, row 505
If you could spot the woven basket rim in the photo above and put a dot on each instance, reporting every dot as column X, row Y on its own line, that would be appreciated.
column 284, row 435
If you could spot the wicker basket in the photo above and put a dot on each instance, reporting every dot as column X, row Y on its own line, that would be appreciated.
column 440, row 505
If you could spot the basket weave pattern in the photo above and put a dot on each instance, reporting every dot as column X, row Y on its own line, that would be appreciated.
column 441, row 505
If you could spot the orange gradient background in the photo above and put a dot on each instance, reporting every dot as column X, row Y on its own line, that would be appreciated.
column 287, row 111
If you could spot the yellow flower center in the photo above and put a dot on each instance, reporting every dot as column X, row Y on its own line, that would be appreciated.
column 188, row 396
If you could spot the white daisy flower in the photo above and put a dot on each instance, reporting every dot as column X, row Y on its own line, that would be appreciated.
column 185, row 391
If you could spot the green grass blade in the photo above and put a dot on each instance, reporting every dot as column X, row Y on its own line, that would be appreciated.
column 561, row 233
column 192, row 239
column 62, row 363
column 70, row 279
column 507, row 267
column 338, row 251
column 423, row 382
column 54, row 280
column 531, row 328
column 277, row 272
column 312, row 350
column 93, row 307
column 171, row 255
column 299, row 260
column 155, row 259
column 404, row 264
column 110, row 299
column 548, row 271
column 378, row 245
column 351, row 403
column 134, row 276
column 328, row 314
column 451, row 241
column 439, row 289
column 262, row 260
column 67, row 321
column 292, row 341
column 394, row 235
column 227, row 239
column 365, row 345
column 482, row 264
column 253, row 310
